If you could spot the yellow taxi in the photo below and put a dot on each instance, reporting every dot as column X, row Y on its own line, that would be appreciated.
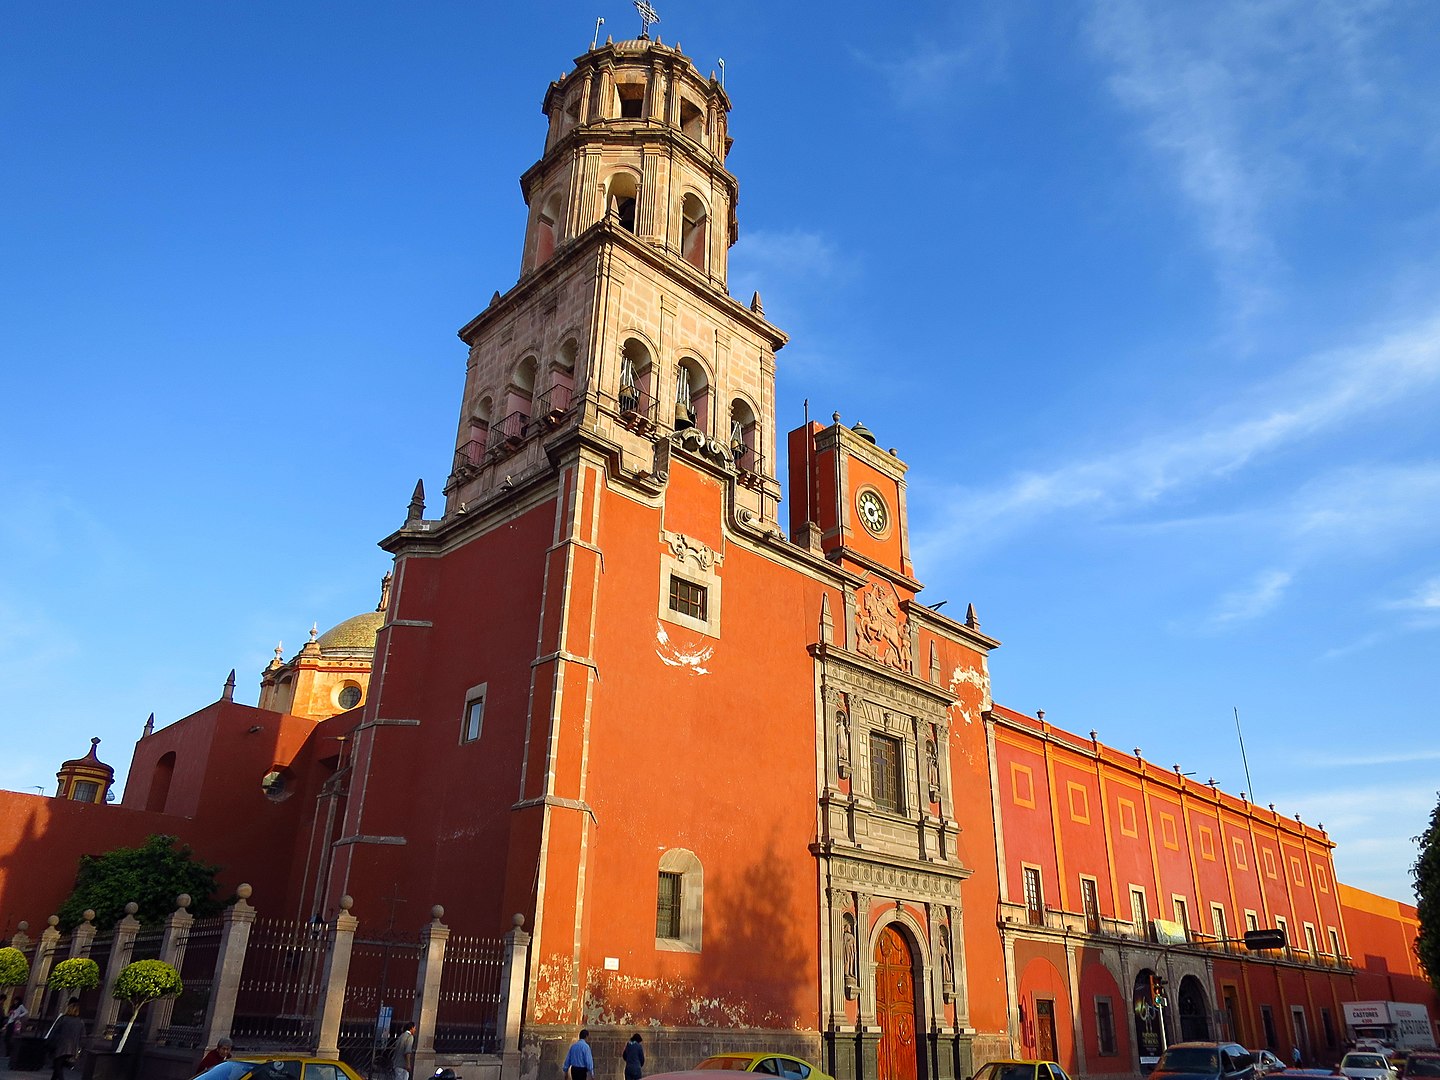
column 1020, row 1069
column 279, row 1067
column 766, row 1064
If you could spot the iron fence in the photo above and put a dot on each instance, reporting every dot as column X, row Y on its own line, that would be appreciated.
column 100, row 953
column 280, row 985
column 201, row 949
column 379, row 1001
column 468, row 1012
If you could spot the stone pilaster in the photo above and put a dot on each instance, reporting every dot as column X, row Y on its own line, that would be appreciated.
column 235, row 927
column 512, row 999
column 121, row 948
column 337, row 974
column 427, row 989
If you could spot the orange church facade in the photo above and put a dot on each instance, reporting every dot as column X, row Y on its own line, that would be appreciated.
column 745, row 789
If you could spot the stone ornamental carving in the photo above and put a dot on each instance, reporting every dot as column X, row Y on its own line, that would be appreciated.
column 947, row 962
column 852, row 955
column 932, row 765
column 881, row 627
column 683, row 547
column 842, row 737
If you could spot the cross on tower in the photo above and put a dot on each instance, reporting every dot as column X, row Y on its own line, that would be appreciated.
column 647, row 16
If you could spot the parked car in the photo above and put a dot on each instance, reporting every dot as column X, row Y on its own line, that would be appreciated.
column 1267, row 1062
column 1020, row 1069
column 279, row 1067
column 1206, row 1061
column 1422, row 1063
column 1367, row 1065
column 766, row 1064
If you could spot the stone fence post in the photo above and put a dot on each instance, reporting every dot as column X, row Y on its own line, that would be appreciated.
column 40, row 966
column 433, row 937
column 172, row 952
column 337, row 972
column 512, row 999
column 121, row 947
column 235, row 927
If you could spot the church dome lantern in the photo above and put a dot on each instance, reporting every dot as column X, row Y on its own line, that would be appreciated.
column 85, row 779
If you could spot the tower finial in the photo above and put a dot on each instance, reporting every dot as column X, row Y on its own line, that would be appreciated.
column 971, row 620
column 229, row 694
column 416, row 510
column 149, row 726
column 384, row 591
column 647, row 16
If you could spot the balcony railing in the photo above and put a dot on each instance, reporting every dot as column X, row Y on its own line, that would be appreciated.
column 505, row 435
column 636, row 406
column 553, row 405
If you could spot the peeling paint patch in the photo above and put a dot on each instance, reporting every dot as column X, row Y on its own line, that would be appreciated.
column 672, row 655
column 631, row 1001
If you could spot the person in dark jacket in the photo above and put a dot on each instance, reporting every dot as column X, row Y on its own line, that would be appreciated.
column 634, row 1055
column 64, row 1041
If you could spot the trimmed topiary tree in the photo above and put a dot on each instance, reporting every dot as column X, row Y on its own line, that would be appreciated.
column 142, row 982
column 79, row 973
column 14, row 969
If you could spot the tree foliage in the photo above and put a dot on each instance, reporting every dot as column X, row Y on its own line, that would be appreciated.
column 152, row 875
column 77, row 973
column 14, row 968
column 145, row 980
column 1427, row 893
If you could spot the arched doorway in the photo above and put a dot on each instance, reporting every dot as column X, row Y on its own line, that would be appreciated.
column 895, row 1007
column 1150, row 1037
column 1194, row 1010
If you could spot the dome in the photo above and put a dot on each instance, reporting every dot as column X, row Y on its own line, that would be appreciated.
column 357, row 632
column 89, row 761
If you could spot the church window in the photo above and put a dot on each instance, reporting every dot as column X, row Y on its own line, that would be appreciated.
column 620, row 195
column 679, row 902
column 692, row 119
column 634, row 394
column 632, row 100
column 85, row 791
column 885, row 772
column 547, row 228
column 693, row 231
column 687, row 598
column 349, row 697
column 742, row 437
column 667, row 906
column 473, row 720
column 692, row 396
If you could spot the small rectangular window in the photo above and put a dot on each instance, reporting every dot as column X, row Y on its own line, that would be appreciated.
column 1217, row 919
column 885, row 772
column 1252, row 921
column 1034, row 897
column 474, row 719
column 1090, row 900
column 86, row 791
column 667, row 906
column 1182, row 912
column 1138, row 918
column 1105, row 1026
column 687, row 598
column 1334, row 942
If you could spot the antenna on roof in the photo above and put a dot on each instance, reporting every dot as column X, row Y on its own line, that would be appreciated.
column 1248, row 785
column 598, row 24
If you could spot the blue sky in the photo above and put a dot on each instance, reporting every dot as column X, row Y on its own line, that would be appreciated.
column 1147, row 295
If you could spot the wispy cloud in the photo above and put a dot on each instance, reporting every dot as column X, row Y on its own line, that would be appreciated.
column 1351, row 759
column 797, row 253
column 1252, row 104
column 922, row 73
column 1425, row 598
column 1318, row 396
column 1256, row 598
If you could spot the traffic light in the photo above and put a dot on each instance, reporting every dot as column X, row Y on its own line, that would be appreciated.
column 1150, row 984
column 1157, row 984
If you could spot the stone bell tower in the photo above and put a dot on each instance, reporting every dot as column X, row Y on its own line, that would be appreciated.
column 621, row 324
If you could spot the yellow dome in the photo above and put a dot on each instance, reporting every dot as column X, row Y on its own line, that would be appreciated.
column 354, row 633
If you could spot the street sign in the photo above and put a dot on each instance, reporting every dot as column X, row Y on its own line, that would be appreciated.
column 1264, row 939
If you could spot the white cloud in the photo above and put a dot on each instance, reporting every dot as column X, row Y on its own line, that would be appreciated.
column 1317, row 397
column 1425, row 598
column 793, row 252
column 1255, row 599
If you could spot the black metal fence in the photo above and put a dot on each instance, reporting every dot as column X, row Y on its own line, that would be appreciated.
column 280, row 985
column 379, row 1001
column 468, row 1013
column 201, row 945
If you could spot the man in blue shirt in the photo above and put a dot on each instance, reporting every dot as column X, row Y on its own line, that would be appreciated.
column 579, row 1062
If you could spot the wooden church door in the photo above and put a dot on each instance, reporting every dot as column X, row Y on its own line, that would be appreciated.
column 895, row 1007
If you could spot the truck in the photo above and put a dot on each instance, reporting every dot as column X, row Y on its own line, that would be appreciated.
column 1395, row 1024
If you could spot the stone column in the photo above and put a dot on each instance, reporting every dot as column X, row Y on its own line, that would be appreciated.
column 337, row 973
column 235, row 927
column 120, row 949
column 512, row 999
column 427, row 990
column 172, row 952
column 40, row 966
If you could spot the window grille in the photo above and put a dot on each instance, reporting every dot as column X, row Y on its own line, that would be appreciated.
column 667, row 906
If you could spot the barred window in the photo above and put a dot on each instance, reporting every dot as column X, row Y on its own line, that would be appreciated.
column 885, row 772
column 1105, row 1026
column 667, row 906
column 687, row 598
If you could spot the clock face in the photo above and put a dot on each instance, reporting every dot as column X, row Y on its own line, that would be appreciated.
column 874, row 515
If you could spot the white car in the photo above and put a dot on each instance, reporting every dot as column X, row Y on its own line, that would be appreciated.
column 1267, row 1063
column 1365, row 1065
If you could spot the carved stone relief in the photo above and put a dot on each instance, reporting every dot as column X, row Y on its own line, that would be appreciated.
column 882, row 632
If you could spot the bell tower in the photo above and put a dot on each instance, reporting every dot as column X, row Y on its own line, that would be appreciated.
column 620, row 325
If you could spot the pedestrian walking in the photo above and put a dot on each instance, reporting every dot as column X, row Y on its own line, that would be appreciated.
column 634, row 1055
column 64, row 1041
column 15, row 1026
column 579, row 1061
column 404, row 1047
column 1295, row 1056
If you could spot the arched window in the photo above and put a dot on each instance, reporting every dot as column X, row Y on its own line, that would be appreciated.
column 679, row 902
column 620, row 195
column 694, row 232
column 692, row 396
column 519, row 396
column 160, row 782
column 630, row 96
column 743, row 435
column 634, row 395
column 562, row 382
column 547, row 228
column 472, row 451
